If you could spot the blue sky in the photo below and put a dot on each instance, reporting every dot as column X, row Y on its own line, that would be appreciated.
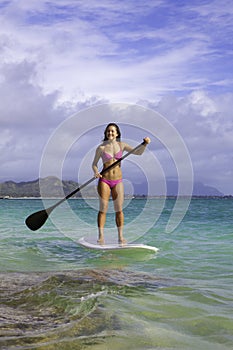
column 175, row 57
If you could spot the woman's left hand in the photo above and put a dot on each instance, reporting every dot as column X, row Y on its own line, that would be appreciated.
column 147, row 140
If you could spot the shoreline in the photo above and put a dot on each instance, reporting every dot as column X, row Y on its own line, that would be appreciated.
column 126, row 197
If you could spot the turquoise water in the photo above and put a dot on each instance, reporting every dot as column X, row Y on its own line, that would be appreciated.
column 57, row 295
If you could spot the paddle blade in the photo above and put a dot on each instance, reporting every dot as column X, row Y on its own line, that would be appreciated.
column 36, row 220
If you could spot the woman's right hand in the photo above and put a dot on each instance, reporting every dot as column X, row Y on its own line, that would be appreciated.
column 97, row 175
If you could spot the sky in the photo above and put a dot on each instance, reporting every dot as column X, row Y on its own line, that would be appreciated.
column 59, row 58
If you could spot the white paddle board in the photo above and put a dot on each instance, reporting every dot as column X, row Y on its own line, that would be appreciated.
column 119, row 246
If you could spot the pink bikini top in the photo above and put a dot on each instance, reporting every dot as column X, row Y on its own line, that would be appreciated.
column 106, row 156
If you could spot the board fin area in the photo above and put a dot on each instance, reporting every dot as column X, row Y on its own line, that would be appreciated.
column 127, row 246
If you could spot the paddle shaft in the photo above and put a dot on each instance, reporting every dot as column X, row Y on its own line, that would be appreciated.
column 102, row 172
column 36, row 220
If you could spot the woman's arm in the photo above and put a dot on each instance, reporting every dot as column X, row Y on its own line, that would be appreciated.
column 140, row 150
column 95, row 162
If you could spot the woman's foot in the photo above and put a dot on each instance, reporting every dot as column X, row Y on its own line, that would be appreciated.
column 121, row 240
column 100, row 240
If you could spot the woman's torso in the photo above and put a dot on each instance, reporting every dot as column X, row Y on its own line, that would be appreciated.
column 110, row 154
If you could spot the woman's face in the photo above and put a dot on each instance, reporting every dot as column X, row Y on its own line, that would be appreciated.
column 111, row 133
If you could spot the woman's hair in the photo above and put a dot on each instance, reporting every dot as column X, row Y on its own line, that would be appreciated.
column 117, row 129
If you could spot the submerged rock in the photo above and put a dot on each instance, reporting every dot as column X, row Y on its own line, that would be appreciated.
column 41, row 307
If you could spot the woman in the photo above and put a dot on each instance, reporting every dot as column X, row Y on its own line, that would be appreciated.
column 111, row 182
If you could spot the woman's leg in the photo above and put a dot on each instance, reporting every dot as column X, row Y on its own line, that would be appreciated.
column 118, row 198
column 104, row 194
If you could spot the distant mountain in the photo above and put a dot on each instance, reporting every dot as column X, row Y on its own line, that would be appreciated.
column 199, row 189
column 53, row 187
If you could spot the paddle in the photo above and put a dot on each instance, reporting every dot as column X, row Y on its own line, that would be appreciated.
column 36, row 220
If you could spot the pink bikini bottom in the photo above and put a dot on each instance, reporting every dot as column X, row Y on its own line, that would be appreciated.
column 110, row 183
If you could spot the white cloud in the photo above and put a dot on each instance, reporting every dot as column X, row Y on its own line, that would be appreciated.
column 207, row 129
column 92, row 49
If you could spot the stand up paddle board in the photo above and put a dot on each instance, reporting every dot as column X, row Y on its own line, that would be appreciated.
column 120, row 246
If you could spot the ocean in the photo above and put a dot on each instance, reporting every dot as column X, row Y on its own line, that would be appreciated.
column 56, row 295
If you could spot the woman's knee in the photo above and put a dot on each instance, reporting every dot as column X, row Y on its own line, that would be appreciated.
column 103, row 206
column 119, row 214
